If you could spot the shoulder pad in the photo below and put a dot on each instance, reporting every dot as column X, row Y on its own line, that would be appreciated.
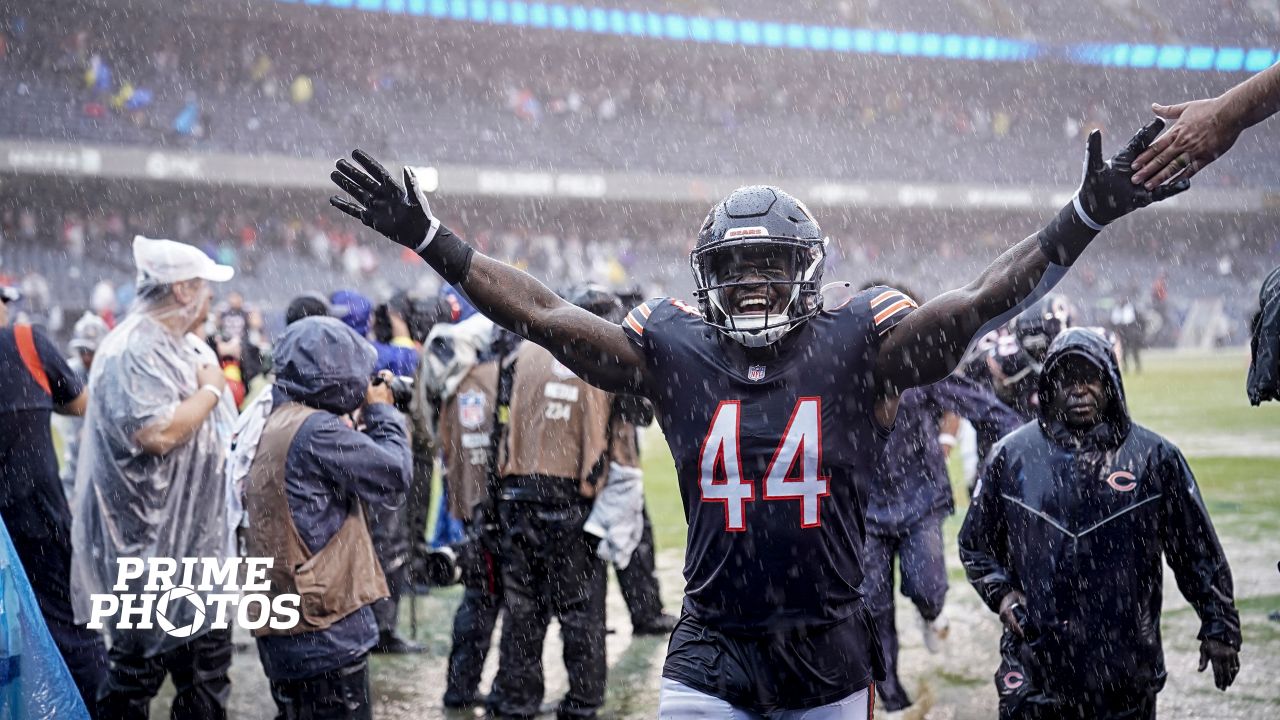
column 888, row 308
column 635, row 322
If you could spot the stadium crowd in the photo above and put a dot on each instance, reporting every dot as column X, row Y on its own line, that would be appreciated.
column 97, row 78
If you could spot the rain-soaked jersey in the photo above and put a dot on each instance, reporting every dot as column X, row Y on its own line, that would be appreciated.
column 773, row 457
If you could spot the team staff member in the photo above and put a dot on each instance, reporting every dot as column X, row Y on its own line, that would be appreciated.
column 1064, row 540
column 309, row 483
column 34, row 383
column 552, row 461
column 465, row 437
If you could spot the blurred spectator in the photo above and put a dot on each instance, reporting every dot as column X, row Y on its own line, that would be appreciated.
column 86, row 336
column 34, row 383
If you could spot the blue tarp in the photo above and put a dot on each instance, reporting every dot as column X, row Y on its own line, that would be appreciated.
column 34, row 682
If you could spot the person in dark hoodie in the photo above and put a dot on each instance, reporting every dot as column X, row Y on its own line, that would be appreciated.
column 309, row 485
column 1264, row 365
column 1064, row 539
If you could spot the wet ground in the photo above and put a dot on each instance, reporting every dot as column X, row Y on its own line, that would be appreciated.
column 1198, row 402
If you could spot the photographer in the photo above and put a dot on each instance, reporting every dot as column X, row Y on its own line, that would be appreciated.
column 467, row 419
column 308, row 484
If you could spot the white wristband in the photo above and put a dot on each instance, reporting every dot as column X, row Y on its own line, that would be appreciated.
column 947, row 439
column 1084, row 216
column 211, row 388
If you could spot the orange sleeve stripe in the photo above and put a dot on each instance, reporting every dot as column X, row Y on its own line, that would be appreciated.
column 884, row 296
column 645, row 310
column 631, row 323
column 889, row 311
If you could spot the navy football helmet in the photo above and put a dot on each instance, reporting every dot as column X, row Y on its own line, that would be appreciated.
column 758, row 265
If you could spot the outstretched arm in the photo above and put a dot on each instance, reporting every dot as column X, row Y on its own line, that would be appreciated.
column 927, row 344
column 594, row 348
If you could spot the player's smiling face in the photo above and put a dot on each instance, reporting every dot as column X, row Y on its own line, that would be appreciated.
column 761, row 278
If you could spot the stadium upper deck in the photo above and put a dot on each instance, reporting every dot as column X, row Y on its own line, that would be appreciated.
column 310, row 82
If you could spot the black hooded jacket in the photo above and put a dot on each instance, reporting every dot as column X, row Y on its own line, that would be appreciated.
column 1264, row 369
column 1079, row 525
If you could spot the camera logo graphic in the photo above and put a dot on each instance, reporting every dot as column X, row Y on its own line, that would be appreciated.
column 170, row 606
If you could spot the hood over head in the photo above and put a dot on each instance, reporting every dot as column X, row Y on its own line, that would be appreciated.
column 324, row 364
column 1087, row 344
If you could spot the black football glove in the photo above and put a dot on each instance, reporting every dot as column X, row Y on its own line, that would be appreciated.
column 400, row 213
column 1224, row 659
column 1106, row 193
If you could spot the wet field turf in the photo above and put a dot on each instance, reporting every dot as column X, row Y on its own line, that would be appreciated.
column 1196, row 401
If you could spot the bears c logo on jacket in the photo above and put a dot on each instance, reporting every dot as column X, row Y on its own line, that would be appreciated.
column 1122, row 481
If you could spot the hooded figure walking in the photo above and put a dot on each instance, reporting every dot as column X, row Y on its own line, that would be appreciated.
column 1069, row 522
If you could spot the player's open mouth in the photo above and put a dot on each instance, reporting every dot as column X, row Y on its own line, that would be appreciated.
column 756, row 303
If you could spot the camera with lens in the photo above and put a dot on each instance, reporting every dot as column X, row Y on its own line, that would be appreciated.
column 401, row 389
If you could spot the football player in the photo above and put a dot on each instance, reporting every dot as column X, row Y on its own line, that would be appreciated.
column 775, row 409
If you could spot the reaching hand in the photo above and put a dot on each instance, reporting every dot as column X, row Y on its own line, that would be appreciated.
column 1225, row 660
column 1199, row 136
column 400, row 213
column 1106, row 193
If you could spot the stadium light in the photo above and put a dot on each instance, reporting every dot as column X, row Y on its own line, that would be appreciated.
column 679, row 27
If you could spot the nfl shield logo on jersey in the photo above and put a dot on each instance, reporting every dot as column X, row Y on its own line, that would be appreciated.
column 755, row 373
column 471, row 409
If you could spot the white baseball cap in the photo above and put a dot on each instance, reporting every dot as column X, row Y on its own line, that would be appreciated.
column 166, row 261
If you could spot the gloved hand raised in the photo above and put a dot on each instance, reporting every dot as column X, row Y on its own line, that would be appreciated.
column 399, row 212
column 1106, row 191
column 1105, row 195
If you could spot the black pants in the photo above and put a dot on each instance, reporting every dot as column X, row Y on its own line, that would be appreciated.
column 40, row 527
column 549, row 567
column 472, row 634
column 387, row 529
column 199, row 672
column 922, row 573
column 639, row 583
column 341, row 694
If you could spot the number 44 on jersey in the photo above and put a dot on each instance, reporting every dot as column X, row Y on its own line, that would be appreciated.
column 794, row 472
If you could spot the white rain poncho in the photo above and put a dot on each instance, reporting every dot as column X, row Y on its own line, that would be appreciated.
column 129, row 503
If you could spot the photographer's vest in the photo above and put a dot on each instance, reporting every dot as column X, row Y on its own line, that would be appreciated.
column 465, row 437
column 558, row 425
column 343, row 576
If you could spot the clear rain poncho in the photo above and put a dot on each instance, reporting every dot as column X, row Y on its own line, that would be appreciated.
column 129, row 503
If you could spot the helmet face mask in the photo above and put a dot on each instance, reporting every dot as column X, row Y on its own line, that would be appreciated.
column 755, row 291
column 758, row 266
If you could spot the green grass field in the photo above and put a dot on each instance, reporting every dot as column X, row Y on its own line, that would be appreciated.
column 1197, row 401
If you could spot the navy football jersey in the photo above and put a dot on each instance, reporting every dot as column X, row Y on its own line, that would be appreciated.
column 773, row 456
